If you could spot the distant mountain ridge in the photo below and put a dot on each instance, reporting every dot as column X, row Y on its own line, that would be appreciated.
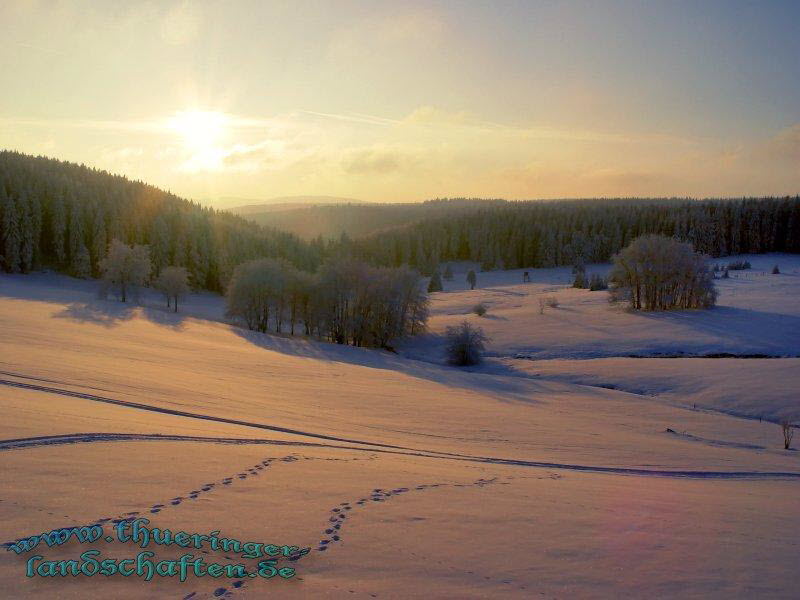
column 334, row 217
column 244, row 206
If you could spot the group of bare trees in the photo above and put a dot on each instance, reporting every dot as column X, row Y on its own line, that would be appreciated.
column 659, row 273
column 125, row 269
column 345, row 301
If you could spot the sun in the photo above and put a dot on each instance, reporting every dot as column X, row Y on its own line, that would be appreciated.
column 200, row 129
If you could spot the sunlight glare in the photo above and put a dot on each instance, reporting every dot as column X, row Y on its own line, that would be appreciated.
column 199, row 129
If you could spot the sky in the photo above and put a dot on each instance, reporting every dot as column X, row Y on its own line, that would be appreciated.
column 405, row 101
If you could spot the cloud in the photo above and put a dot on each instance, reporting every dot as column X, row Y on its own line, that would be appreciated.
column 437, row 117
column 374, row 161
column 432, row 115
column 378, row 160
column 785, row 145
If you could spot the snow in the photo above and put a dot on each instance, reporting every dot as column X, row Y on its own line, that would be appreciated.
column 756, row 314
column 512, row 480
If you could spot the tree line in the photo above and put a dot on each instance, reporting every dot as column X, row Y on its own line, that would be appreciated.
column 63, row 216
column 345, row 301
column 514, row 235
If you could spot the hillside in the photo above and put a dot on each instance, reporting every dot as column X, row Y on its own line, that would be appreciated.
column 498, row 482
column 243, row 206
column 585, row 340
column 61, row 215
column 330, row 220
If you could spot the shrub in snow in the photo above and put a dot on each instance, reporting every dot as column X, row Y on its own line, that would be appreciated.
column 551, row 301
column 738, row 265
column 435, row 284
column 580, row 280
column 776, row 270
column 659, row 273
column 597, row 283
column 788, row 434
column 480, row 309
column 465, row 344
column 472, row 279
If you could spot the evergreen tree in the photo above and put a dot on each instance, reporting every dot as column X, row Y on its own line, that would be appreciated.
column 58, row 227
column 435, row 284
column 12, row 236
column 81, row 262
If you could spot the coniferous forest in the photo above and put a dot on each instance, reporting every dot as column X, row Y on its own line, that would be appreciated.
column 547, row 234
column 63, row 216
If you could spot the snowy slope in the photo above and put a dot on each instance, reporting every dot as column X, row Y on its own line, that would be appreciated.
column 757, row 313
column 455, row 484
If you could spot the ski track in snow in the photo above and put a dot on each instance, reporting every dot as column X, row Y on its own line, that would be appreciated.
column 132, row 437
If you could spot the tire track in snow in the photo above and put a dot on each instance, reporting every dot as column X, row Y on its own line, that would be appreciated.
column 180, row 413
column 132, row 437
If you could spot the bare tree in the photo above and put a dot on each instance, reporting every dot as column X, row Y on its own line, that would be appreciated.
column 659, row 273
column 125, row 268
column 173, row 282
column 465, row 344
column 788, row 434
column 255, row 292
column 346, row 302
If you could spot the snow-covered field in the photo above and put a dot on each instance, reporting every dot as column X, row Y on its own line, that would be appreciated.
column 586, row 340
column 757, row 313
column 524, row 478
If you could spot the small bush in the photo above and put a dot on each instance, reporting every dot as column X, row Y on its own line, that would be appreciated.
column 597, row 283
column 435, row 284
column 738, row 265
column 726, row 274
column 465, row 344
column 480, row 309
column 788, row 434
column 580, row 280
column 776, row 270
column 551, row 301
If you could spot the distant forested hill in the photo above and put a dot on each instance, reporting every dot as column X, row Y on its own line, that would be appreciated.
column 354, row 220
column 544, row 234
column 61, row 215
